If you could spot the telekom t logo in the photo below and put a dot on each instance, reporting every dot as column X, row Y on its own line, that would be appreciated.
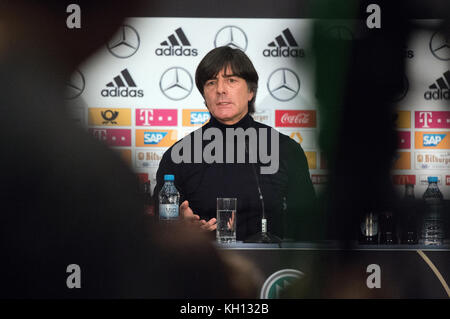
column 433, row 119
column 156, row 117
column 99, row 134
column 145, row 115
column 425, row 118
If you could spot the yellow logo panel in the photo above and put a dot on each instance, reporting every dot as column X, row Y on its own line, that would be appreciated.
column 156, row 138
column 403, row 119
column 312, row 159
column 402, row 160
column 195, row 117
column 296, row 136
column 432, row 140
column 109, row 117
column 125, row 154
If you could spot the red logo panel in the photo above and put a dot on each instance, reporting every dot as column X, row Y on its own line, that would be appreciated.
column 403, row 140
column 112, row 137
column 287, row 118
column 143, row 177
column 432, row 119
column 404, row 179
column 156, row 117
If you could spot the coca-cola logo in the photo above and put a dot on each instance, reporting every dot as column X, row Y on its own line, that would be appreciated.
column 295, row 118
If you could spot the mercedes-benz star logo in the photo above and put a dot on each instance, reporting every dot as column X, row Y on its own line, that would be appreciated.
column 440, row 45
column 176, row 83
column 231, row 36
column 403, row 90
column 283, row 84
column 125, row 43
column 75, row 85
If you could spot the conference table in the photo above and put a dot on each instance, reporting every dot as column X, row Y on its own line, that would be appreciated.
column 334, row 269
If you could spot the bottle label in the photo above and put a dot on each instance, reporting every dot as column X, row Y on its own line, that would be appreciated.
column 168, row 211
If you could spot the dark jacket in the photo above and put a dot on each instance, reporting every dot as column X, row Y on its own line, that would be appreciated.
column 202, row 183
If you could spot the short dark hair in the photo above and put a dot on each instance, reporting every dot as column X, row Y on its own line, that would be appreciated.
column 239, row 63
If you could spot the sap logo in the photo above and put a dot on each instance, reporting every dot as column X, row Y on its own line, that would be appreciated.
column 153, row 137
column 432, row 139
column 200, row 117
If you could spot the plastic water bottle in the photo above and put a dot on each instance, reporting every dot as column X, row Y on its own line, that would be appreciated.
column 433, row 222
column 169, row 200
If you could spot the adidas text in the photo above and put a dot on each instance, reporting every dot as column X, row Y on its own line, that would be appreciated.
column 286, row 52
column 125, row 92
column 180, row 51
column 437, row 95
column 409, row 54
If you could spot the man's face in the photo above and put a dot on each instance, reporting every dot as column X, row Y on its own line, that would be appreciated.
column 227, row 97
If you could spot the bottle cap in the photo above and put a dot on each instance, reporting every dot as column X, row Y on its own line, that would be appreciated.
column 432, row 179
column 169, row 177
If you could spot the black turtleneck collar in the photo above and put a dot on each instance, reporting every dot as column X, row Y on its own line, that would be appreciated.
column 245, row 122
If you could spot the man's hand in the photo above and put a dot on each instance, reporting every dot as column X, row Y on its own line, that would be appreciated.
column 210, row 225
column 188, row 215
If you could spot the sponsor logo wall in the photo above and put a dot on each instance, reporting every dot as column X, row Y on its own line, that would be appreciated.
column 139, row 94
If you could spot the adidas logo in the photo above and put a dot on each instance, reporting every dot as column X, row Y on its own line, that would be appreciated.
column 440, row 89
column 120, row 86
column 284, row 46
column 175, row 45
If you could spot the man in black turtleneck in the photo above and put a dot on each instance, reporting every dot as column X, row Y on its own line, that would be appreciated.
column 228, row 82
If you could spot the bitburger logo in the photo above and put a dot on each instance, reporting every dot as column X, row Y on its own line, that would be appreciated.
column 440, row 89
column 122, row 85
column 177, row 44
column 284, row 46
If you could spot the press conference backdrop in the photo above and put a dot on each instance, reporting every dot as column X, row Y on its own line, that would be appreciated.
column 137, row 94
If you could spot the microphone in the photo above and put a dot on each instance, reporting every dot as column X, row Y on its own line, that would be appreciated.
column 263, row 236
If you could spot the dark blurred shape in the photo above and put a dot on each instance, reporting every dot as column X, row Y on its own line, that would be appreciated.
column 408, row 217
column 388, row 231
column 68, row 199
column 360, row 73
column 358, row 77
column 149, row 205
